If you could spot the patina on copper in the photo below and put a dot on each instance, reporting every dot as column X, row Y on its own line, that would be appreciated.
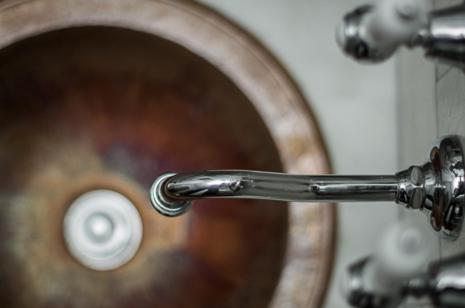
column 110, row 95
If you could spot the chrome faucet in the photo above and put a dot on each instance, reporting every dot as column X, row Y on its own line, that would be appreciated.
column 443, row 283
column 372, row 33
column 398, row 269
column 436, row 187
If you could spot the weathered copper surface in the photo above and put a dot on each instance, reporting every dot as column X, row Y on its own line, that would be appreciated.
column 94, row 97
column 93, row 108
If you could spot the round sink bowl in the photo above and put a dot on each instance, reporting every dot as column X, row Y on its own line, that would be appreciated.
column 97, row 100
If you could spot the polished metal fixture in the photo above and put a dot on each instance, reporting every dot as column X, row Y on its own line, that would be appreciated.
column 437, row 187
column 396, row 271
column 379, row 280
column 372, row 33
column 443, row 283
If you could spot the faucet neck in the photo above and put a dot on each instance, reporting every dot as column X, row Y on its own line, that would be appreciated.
column 437, row 187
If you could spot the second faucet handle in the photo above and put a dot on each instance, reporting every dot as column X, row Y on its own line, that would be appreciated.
column 378, row 281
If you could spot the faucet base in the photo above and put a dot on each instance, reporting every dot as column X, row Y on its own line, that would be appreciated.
column 445, row 187
column 437, row 188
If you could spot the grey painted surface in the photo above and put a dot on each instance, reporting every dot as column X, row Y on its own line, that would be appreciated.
column 417, row 118
column 355, row 105
column 416, row 107
column 417, row 127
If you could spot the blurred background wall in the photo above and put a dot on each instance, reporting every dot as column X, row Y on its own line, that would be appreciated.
column 354, row 104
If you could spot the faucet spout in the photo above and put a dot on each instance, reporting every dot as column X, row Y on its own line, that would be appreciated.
column 172, row 193
column 436, row 187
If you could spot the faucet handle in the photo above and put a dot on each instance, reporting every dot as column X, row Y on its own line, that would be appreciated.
column 378, row 281
column 373, row 33
column 398, row 269
column 443, row 283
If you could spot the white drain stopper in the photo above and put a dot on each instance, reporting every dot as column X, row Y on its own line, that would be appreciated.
column 102, row 229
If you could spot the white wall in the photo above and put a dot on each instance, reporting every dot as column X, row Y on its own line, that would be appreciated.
column 355, row 104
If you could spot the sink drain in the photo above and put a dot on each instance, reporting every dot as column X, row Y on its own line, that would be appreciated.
column 102, row 229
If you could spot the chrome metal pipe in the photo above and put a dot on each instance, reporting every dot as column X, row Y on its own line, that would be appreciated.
column 171, row 193
column 436, row 187
column 278, row 186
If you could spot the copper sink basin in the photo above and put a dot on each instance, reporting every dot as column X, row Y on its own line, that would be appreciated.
column 106, row 96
